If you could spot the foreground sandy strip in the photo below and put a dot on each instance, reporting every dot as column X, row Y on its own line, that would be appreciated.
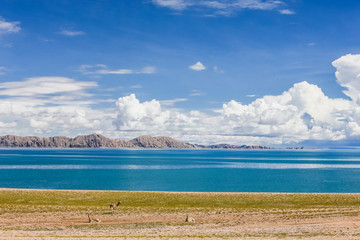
column 330, row 222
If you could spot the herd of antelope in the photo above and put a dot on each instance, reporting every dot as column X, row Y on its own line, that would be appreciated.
column 114, row 205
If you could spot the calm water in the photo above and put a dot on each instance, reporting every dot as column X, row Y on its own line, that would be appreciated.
column 182, row 170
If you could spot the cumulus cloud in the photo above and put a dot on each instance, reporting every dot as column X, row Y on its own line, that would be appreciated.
column 197, row 67
column 212, row 7
column 104, row 70
column 133, row 115
column 348, row 75
column 71, row 33
column 300, row 113
column 8, row 27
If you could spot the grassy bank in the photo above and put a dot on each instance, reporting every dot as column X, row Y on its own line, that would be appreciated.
column 59, row 200
column 57, row 214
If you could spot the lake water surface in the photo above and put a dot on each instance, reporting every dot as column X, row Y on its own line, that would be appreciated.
column 182, row 170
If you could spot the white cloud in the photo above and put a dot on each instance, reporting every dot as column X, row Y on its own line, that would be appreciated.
column 197, row 67
column 118, row 71
column 3, row 70
column 196, row 93
column 71, row 33
column 218, row 70
column 286, row 12
column 171, row 102
column 104, row 70
column 50, row 106
column 173, row 4
column 213, row 7
column 38, row 124
column 7, row 125
column 133, row 115
column 147, row 70
column 43, row 85
column 256, row 4
column 300, row 113
column 8, row 27
column 348, row 75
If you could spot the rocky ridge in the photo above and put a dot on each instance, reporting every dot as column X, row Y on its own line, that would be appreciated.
column 100, row 141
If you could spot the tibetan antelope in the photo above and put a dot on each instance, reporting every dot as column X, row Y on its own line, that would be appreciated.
column 93, row 220
column 114, row 205
column 189, row 219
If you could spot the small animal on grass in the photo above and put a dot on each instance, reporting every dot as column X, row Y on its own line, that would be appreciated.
column 189, row 219
column 91, row 219
column 114, row 205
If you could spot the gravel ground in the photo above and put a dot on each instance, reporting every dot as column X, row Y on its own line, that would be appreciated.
column 322, row 223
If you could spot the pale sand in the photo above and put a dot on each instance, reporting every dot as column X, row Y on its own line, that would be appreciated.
column 321, row 223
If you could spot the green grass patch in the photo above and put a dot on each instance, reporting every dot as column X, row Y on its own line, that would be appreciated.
column 59, row 200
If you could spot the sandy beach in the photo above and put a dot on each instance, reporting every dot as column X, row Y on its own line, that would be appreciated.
column 49, row 214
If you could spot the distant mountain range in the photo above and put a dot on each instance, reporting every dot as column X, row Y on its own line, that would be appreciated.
column 100, row 141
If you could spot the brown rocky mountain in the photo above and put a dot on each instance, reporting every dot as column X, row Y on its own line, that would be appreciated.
column 90, row 141
column 99, row 141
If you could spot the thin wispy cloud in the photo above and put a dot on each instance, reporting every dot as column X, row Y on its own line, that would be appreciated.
column 171, row 102
column 196, row 93
column 220, row 7
column 71, row 33
column 173, row 4
column 147, row 70
column 102, row 69
column 9, row 27
column 48, row 105
column 136, row 86
column 117, row 71
column 37, row 86
column 286, row 12
column 218, row 70
column 3, row 70
column 197, row 67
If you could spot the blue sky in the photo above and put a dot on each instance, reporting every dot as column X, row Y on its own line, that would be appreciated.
column 194, row 70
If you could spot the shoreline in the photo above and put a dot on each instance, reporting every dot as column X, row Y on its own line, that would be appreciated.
column 63, row 214
column 180, row 192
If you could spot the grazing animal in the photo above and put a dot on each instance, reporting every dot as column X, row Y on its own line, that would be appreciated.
column 93, row 220
column 189, row 219
column 114, row 205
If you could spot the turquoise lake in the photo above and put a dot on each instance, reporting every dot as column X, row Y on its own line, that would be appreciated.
column 182, row 170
